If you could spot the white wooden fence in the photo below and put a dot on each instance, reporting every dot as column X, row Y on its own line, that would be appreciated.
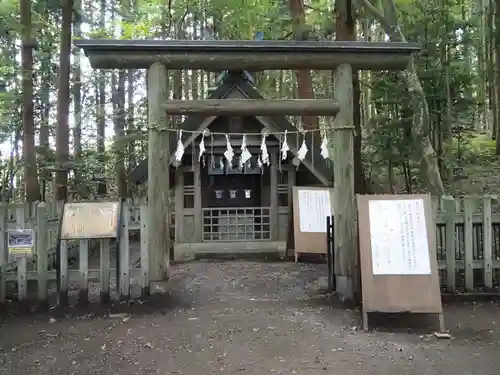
column 44, row 219
column 470, row 262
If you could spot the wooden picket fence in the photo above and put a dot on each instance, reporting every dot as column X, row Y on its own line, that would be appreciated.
column 96, row 261
column 470, row 262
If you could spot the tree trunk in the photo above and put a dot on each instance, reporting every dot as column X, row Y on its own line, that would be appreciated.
column 491, row 68
column 62, row 131
column 130, row 116
column 118, row 99
column 497, row 71
column 447, row 134
column 32, row 190
column 77, row 100
column 177, row 94
column 304, row 79
column 101, row 119
column 367, row 92
column 481, row 68
column 46, row 78
column 195, row 73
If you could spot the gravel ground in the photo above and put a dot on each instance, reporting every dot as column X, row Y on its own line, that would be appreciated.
column 242, row 318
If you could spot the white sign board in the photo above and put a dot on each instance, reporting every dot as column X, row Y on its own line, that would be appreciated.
column 398, row 235
column 314, row 207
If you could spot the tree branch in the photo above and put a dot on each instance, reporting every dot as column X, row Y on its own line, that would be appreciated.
column 286, row 36
column 421, row 123
column 315, row 9
column 392, row 30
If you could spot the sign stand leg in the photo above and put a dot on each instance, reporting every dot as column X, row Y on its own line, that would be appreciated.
column 441, row 322
column 365, row 321
column 22, row 279
column 2, row 285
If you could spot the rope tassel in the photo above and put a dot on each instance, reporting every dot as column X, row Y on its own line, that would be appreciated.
column 284, row 148
column 324, row 148
column 229, row 153
column 202, row 144
column 263, row 149
column 301, row 154
column 179, row 152
column 245, row 154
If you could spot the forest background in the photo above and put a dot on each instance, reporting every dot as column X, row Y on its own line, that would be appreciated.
column 69, row 131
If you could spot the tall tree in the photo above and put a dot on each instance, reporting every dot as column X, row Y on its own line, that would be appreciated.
column 63, row 100
column 29, row 151
column 118, row 98
column 101, row 116
column 304, row 79
column 77, row 97
column 497, row 72
column 45, row 88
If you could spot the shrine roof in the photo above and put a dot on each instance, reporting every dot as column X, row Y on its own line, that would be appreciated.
column 252, row 55
column 322, row 169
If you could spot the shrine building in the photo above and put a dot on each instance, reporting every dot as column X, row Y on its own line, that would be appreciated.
column 223, row 207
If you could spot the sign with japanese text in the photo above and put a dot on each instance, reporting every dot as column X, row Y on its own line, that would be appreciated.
column 398, row 235
column 90, row 220
column 20, row 242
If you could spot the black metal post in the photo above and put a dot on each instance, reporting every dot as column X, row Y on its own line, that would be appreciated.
column 330, row 252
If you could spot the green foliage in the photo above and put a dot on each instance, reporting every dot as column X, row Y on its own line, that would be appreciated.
column 478, row 150
column 451, row 77
column 447, row 30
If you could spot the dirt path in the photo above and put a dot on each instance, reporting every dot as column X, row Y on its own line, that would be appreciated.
column 244, row 318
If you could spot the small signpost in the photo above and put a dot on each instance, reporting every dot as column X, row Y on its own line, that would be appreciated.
column 310, row 208
column 93, row 220
column 20, row 245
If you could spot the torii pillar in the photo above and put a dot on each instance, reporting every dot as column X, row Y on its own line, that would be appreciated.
column 347, row 273
column 158, row 219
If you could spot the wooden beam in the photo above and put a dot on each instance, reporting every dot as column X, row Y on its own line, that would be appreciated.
column 217, row 61
column 249, row 55
column 158, row 176
column 253, row 107
column 344, row 199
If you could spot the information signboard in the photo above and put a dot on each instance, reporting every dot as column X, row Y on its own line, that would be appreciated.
column 20, row 242
column 314, row 207
column 310, row 208
column 397, row 247
column 398, row 236
column 85, row 220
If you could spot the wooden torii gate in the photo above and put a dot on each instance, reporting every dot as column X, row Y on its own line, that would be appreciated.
column 159, row 55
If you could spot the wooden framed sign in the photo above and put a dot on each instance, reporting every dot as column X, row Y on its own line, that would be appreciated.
column 85, row 220
column 20, row 243
column 311, row 206
column 397, row 245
